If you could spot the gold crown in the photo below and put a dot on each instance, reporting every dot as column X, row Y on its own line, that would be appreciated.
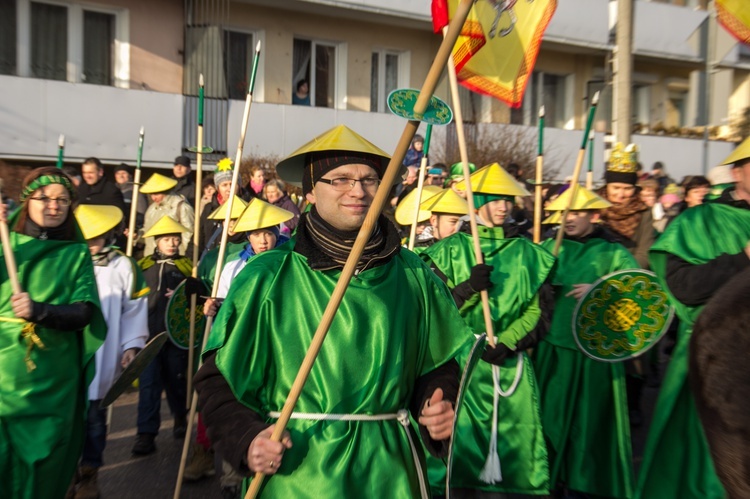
column 623, row 159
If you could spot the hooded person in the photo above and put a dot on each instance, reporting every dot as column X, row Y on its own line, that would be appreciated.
column 49, row 334
column 389, row 350
column 697, row 255
column 163, row 271
column 499, row 445
column 583, row 401
column 122, row 292
column 163, row 203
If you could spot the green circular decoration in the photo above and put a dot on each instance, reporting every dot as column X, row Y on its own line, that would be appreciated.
column 623, row 315
column 205, row 150
column 177, row 319
column 401, row 102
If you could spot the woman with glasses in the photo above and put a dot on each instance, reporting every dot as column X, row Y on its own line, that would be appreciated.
column 49, row 333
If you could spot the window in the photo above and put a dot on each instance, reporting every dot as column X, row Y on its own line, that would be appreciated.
column 316, row 63
column 240, row 51
column 383, row 79
column 544, row 89
column 65, row 42
column 8, row 37
column 676, row 108
column 641, row 103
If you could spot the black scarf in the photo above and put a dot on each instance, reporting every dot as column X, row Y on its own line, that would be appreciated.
column 38, row 232
column 327, row 247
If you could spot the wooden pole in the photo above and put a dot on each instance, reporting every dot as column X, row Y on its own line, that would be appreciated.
column 576, row 174
column 134, row 200
column 428, row 88
column 220, row 259
column 420, row 187
column 196, row 239
column 10, row 259
column 538, row 181
column 463, row 150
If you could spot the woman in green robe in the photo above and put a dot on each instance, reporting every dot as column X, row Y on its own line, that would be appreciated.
column 49, row 334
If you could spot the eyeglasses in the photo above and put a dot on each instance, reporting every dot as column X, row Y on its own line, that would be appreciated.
column 346, row 184
column 60, row 201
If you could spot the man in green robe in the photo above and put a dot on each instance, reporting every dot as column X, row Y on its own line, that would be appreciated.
column 584, row 401
column 389, row 350
column 699, row 252
column 500, row 418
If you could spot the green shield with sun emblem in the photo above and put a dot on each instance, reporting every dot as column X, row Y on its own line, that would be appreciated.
column 623, row 315
column 177, row 319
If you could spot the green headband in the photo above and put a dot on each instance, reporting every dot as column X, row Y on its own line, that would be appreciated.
column 481, row 199
column 44, row 181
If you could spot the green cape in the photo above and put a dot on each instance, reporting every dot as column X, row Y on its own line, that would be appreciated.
column 584, row 402
column 396, row 323
column 520, row 269
column 42, row 412
column 207, row 265
column 676, row 460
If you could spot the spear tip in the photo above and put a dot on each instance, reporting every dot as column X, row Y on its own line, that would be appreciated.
column 595, row 100
column 591, row 135
column 200, row 80
column 541, row 112
column 257, row 47
column 142, row 131
column 61, row 140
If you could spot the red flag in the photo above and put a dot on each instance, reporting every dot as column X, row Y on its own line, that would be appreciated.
column 499, row 43
column 734, row 15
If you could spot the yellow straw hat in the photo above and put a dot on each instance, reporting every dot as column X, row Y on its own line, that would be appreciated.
column 742, row 152
column 339, row 138
column 238, row 206
column 555, row 218
column 405, row 210
column 493, row 179
column 97, row 220
column 165, row 225
column 447, row 201
column 585, row 200
column 157, row 183
column 261, row 215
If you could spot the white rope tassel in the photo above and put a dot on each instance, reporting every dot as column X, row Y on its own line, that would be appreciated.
column 491, row 473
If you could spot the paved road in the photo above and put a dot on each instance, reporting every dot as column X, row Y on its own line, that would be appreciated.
column 149, row 477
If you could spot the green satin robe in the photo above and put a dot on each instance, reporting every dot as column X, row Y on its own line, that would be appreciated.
column 43, row 412
column 396, row 323
column 207, row 265
column 676, row 460
column 584, row 401
column 520, row 268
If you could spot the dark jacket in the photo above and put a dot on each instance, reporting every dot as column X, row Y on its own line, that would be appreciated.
column 209, row 227
column 161, row 276
column 286, row 203
column 103, row 192
column 186, row 188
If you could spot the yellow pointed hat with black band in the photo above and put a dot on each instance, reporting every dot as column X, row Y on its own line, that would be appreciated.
column 742, row 152
column 261, row 215
column 165, row 225
column 340, row 138
column 97, row 220
column 585, row 200
column 405, row 210
column 447, row 201
column 238, row 206
column 493, row 179
column 157, row 183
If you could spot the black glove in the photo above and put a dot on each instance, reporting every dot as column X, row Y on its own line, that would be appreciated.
column 497, row 355
column 194, row 286
column 479, row 279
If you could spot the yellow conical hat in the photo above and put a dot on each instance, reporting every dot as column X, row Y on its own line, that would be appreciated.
column 742, row 152
column 447, row 201
column 238, row 206
column 261, row 215
column 97, row 220
column 165, row 225
column 157, row 183
column 493, row 179
column 405, row 210
column 555, row 218
column 585, row 200
column 339, row 138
